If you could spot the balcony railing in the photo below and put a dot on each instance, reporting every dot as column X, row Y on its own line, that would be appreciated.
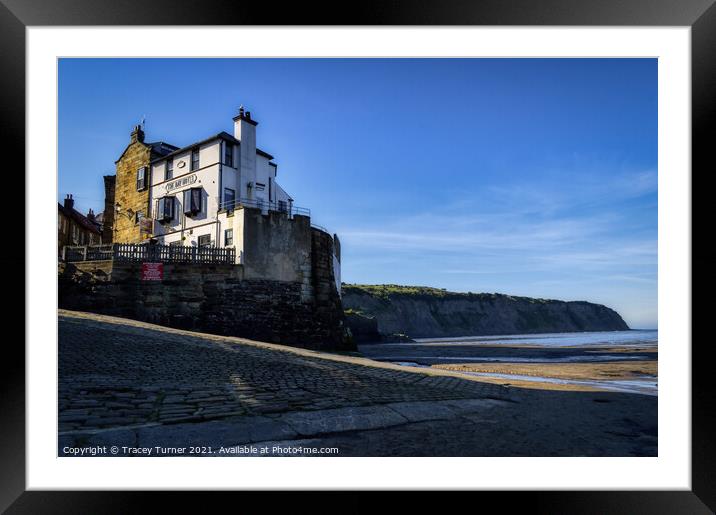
column 150, row 253
column 265, row 205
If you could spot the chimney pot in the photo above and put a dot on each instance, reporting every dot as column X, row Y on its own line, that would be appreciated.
column 137, row 134
column 69, row 203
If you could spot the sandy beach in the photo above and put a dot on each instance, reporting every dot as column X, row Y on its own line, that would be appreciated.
column 621, row 371
column 536, row 362
column 588, row 371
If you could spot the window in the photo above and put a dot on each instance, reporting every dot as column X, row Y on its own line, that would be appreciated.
column 204, row 240
column 165, row 209
column 192, row 201
column 138, row 217
column 176, row 243
column 169, row 169
column 228, row 237
column 229, row 198
column 282, row 206
column 142, row 178
column 195, row 159
column 228, row 154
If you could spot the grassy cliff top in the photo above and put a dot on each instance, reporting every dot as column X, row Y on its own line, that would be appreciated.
column 384, row 291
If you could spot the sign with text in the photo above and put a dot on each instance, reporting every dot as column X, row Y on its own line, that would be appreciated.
column 145, row 225
column 152, row 271
column 183, row 181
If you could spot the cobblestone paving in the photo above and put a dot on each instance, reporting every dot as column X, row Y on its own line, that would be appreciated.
column 117, row 375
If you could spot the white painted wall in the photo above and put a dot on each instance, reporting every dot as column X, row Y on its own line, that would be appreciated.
column 183, row 227
column 337, row 273
column 213, row 176
column 245, row 132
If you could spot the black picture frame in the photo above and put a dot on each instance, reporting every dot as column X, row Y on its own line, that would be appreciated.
column 700, row 15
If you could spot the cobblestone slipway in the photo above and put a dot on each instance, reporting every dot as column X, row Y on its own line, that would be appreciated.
column 123, row 382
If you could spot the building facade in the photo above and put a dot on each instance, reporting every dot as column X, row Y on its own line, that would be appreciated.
column 130, row 194
column 218, row 192
column 74, row 228
column 281, row 283
column 196, row 190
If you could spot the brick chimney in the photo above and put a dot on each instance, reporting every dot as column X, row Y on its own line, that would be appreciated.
column 245, row 132
column 90, row 216
column 137, row 134
column 108, row 216
column 69, row 203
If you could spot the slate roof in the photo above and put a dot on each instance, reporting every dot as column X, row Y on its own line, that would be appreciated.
column 222, row 135
column 161, row 148
column 81, row 219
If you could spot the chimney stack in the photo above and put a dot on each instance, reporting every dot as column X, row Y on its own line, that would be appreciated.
column 245, row 132
column 90, row 215
column 137, row 134
column 69, row 203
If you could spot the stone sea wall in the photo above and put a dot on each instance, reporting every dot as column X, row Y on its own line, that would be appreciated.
column 212, row 298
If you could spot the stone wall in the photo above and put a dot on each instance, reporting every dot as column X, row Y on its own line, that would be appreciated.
column 274, row 246
column 326, row 298
column 211, row 298
column 136, row 155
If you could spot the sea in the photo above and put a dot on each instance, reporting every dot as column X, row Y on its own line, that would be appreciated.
column 636, row 337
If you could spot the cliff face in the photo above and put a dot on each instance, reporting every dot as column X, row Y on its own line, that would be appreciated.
column 428, row 312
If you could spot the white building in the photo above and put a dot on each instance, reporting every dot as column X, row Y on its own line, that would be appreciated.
column 194, row 190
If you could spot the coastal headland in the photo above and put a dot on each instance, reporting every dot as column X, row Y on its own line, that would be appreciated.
column 380, row 312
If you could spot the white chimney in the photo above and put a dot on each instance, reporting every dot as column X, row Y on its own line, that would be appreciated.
column 245, row 132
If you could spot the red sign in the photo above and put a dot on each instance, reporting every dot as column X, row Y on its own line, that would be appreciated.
column 152, row 271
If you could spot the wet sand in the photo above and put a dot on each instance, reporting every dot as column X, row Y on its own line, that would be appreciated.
column 587, row 377
column 579, row 371
column 629, row 368
column 450, row 353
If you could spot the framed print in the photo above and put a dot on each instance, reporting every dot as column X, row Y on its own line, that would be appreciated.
column 440, row 248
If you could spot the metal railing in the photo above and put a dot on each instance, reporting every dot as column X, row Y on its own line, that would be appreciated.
column 87, row 252
column 265, row 205
column 150, row 253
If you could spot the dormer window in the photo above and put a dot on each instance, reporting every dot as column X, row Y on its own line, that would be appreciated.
column 169, row 169
column 192, row 201
column 142, row 178
column 228, row 154
column 165, row 209
column 195, row 159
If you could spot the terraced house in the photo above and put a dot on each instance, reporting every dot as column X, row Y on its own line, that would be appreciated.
column 74, row 228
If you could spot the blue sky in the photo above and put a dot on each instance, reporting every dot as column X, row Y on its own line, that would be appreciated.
column 533, row 177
